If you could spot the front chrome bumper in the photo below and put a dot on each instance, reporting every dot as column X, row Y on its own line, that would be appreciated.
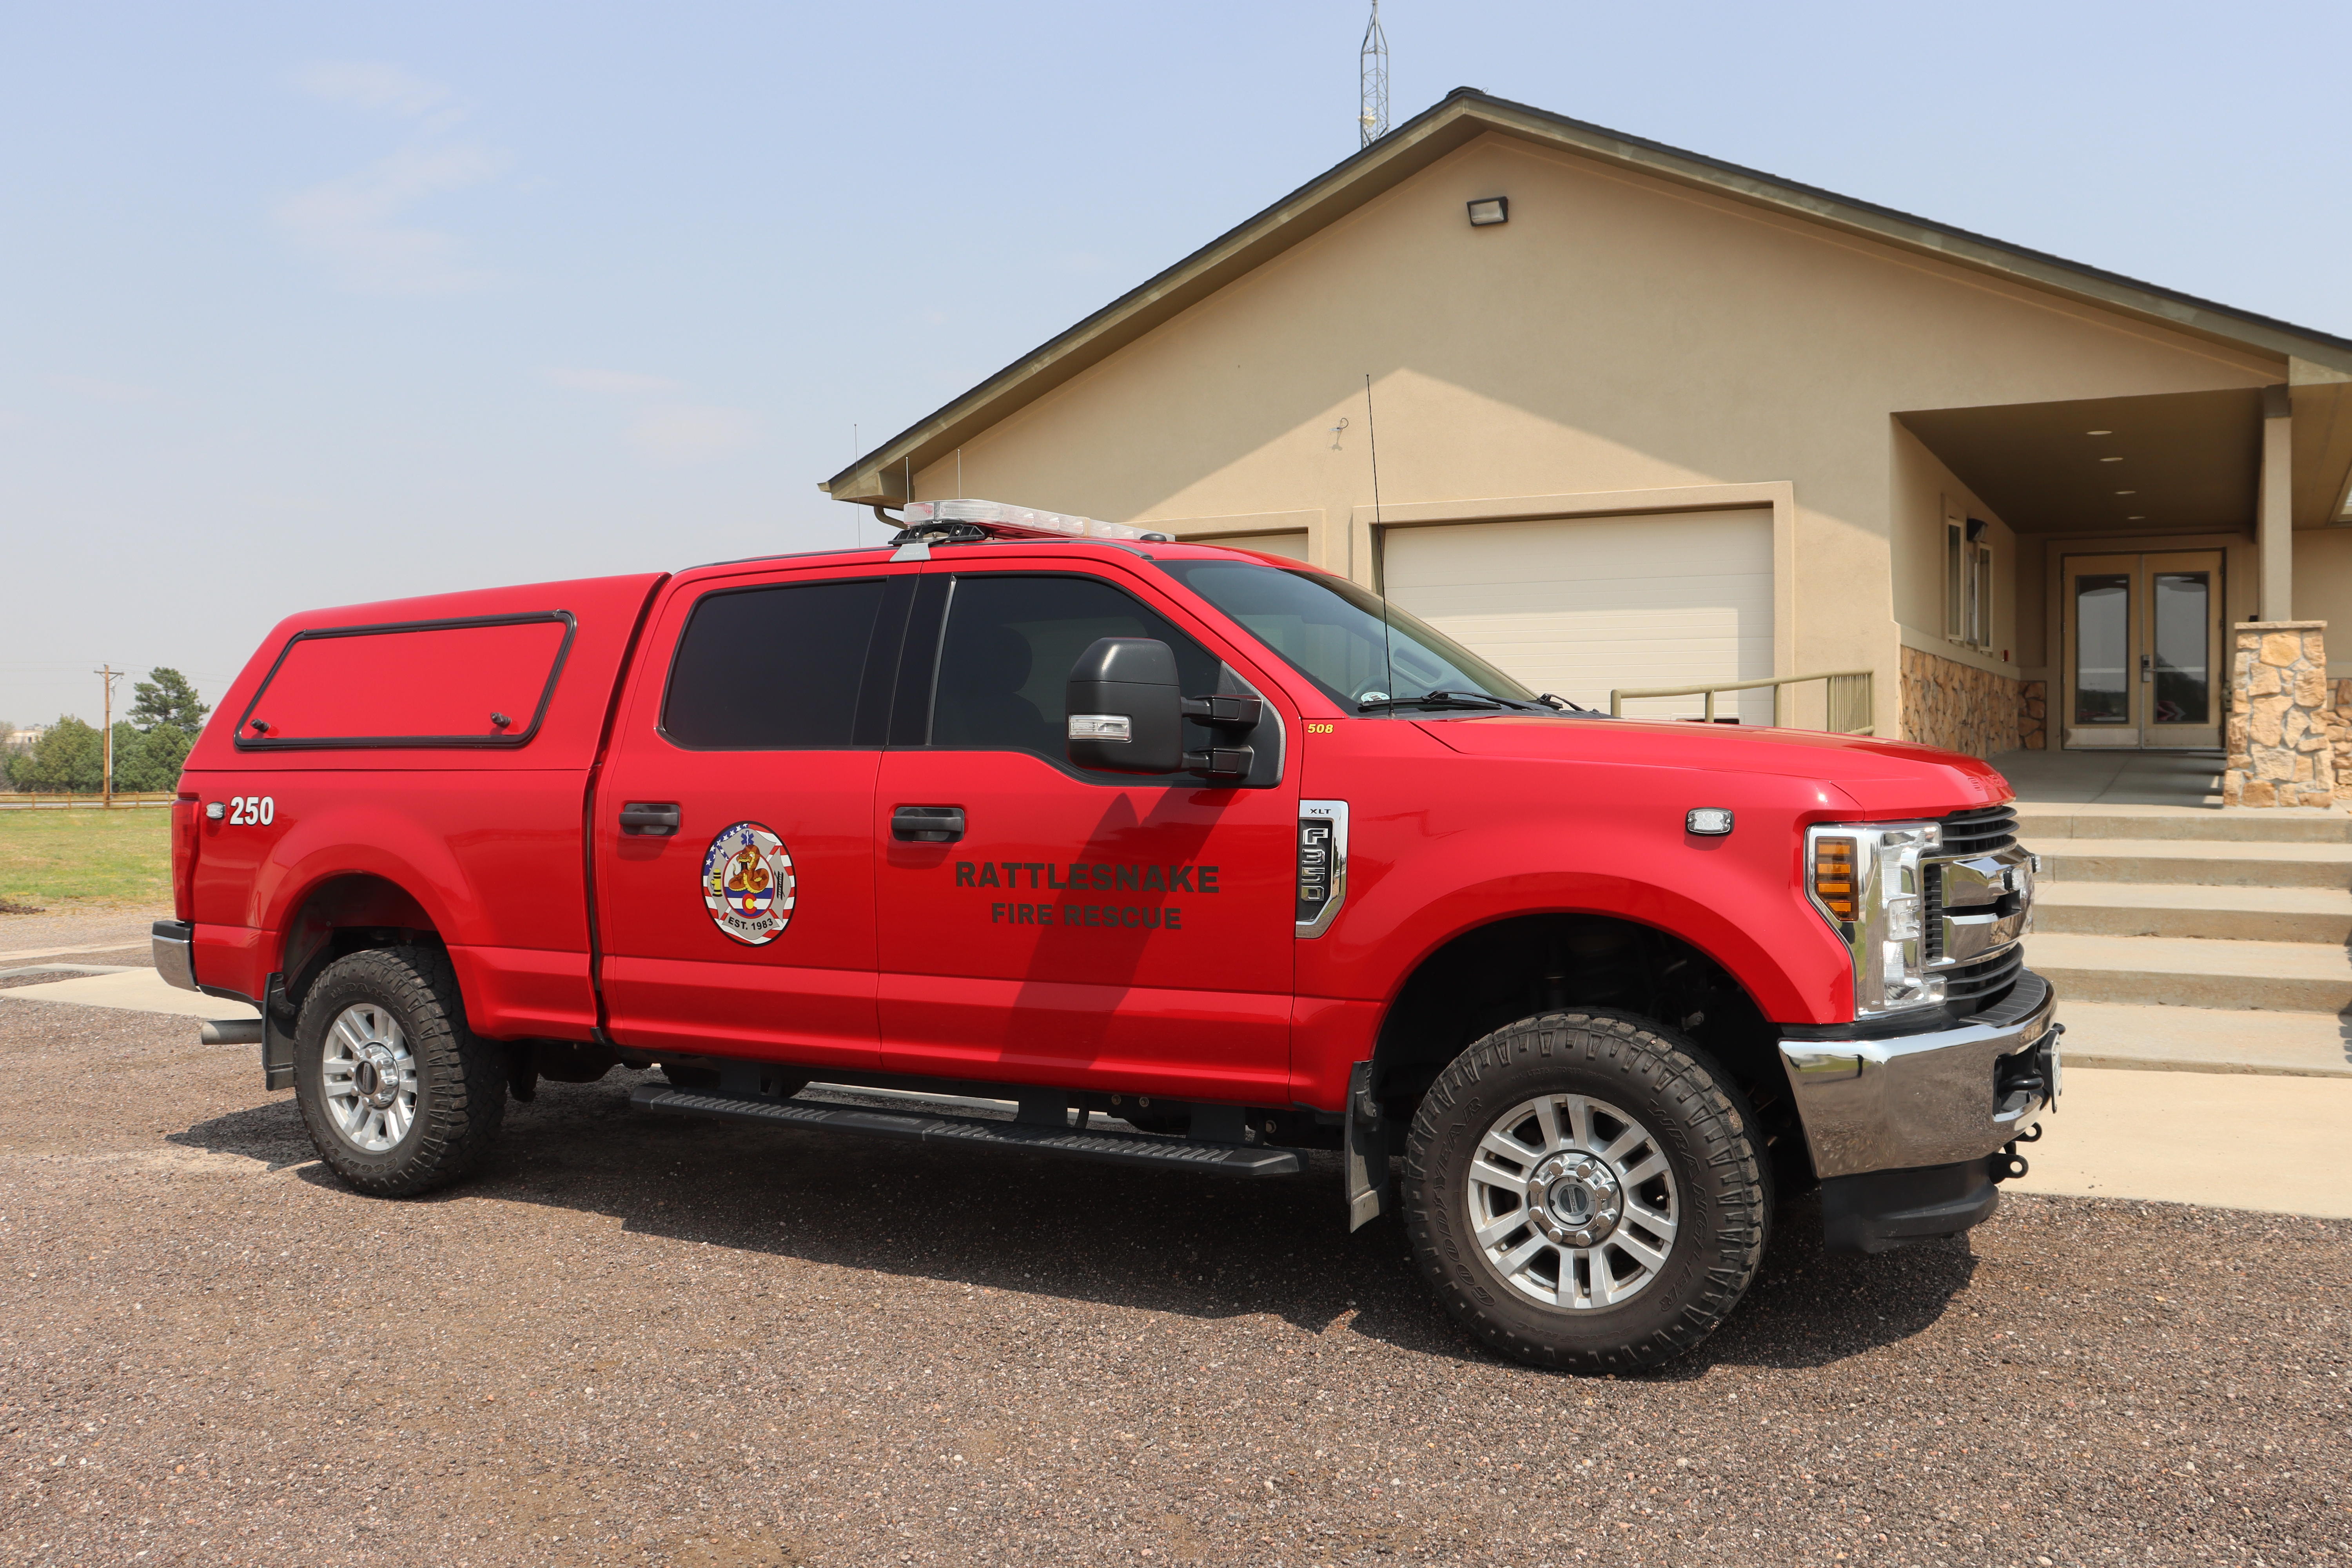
column 1933, row 1098
column 173, row 944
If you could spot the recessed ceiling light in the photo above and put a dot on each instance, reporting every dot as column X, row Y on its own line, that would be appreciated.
column 2111, row 459
column 2127, row 493
column 2098, row 432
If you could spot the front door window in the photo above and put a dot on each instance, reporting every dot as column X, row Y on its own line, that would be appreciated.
column 2103, row 648
column 2183, row 611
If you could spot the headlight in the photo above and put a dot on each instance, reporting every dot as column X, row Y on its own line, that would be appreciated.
column 1864, row 878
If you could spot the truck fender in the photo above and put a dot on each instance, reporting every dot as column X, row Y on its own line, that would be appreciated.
column 1742, row 911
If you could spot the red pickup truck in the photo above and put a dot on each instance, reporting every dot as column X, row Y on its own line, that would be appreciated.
column 1066, row 838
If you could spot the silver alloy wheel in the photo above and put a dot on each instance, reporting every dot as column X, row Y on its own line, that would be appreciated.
column 1572, row 1202
column 367, row 1078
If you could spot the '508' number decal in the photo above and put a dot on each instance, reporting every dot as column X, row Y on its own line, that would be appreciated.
column 252, row 810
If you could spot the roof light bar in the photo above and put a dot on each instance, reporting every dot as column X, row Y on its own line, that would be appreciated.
column 1002, row 514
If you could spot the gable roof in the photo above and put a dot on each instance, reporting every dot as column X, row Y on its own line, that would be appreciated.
column 1458, row 118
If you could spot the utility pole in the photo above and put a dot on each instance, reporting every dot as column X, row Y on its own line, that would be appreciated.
column 106, row 781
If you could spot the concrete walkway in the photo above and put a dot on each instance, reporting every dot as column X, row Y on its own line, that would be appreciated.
column 2273, row 1145
column 138, row 990
column 2114, row 778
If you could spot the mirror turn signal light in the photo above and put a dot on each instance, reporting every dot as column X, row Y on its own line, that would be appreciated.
column 1833, row 882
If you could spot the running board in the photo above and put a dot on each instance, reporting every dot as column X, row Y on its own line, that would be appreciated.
column 1118, row 1148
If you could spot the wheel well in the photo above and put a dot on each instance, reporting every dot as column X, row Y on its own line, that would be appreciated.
column 1502, row 972
column 344, row 915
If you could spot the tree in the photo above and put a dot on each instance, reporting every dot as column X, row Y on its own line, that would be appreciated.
column 71, row 756
column 151, row 759
column 166, row 701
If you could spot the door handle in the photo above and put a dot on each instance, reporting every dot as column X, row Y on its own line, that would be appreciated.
column 653, row 818
column 927, row 823
column 2146, row 667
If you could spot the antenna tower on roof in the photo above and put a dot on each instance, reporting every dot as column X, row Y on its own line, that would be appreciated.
column 1373, row 121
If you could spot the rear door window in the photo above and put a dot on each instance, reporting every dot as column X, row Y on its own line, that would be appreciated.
column 773, row 668
column 476, row 682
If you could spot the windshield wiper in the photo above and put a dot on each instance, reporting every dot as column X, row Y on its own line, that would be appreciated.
column 1436, row 699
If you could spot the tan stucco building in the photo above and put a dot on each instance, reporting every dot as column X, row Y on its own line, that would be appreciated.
column 1670, row 421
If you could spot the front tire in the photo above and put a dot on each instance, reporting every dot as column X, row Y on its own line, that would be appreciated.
column 398, row 1094
column 1585, row 1190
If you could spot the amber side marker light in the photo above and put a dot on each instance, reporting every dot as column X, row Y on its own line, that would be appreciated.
column 1833, row 876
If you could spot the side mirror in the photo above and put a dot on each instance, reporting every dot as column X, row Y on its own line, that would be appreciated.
column 1126, row 710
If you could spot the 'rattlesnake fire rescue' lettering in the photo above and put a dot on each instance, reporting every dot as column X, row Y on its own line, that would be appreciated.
column 1078, row 876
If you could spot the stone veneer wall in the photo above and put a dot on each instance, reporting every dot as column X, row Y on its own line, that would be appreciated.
column 2340, row 735
column 2033, row 723
column 1960, row 707
column 2280, row 750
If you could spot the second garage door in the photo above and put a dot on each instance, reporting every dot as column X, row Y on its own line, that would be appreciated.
column 1581, row 604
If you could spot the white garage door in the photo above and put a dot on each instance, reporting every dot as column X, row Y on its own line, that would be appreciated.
column 1580, row 606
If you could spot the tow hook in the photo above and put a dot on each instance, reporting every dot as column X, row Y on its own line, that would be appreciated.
column 2008, row 1164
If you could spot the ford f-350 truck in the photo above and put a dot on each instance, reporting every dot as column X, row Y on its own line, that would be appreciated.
column 1184, row 856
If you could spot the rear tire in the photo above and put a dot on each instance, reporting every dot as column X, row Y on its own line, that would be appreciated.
column 1585, row 1190
column 399, row 1095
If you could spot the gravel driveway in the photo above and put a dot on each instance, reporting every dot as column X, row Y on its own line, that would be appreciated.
column 641, row 1340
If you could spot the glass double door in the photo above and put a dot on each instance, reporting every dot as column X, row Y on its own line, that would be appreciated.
column 2143, row 650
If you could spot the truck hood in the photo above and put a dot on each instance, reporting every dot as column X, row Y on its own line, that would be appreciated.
column 1878, row 776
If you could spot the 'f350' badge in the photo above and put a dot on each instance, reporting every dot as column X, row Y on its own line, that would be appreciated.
column 747, row 884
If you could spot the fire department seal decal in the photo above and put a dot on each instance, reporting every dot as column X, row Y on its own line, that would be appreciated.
column 747, row 884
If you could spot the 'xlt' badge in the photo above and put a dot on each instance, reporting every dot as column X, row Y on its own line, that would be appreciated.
column 747, row 884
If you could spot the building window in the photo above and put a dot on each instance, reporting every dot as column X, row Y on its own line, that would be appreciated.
column 1968, row 583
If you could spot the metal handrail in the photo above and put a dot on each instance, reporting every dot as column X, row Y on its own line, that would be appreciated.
column 1851, row 696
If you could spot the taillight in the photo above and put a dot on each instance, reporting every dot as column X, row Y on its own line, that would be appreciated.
column 1833, row 882
column 186, row 813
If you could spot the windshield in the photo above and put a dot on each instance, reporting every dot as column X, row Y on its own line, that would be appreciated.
column 1364, row 652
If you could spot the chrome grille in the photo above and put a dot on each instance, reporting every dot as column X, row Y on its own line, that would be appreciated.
column 1931, row 912
column 1967, row 986
column 1974, row 832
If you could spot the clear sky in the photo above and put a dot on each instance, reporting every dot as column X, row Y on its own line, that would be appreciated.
column 305, row 304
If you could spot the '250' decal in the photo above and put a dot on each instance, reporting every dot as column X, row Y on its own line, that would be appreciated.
column 252, row 810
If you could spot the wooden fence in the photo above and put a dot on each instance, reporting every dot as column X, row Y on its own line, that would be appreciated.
column 44, row 800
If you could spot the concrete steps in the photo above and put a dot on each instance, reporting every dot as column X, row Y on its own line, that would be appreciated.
column 2144, row 822
column 2196, row 939
column 2201, row 1039
column 2197, row 862
column 2232, row 913
column 2191, row 971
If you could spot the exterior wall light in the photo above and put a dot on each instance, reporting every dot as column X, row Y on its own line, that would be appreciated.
column 1490, row 209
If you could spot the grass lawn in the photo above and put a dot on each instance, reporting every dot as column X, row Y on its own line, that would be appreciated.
column 87, row 855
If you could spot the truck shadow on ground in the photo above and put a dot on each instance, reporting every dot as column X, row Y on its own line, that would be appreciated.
column 1058, row 1229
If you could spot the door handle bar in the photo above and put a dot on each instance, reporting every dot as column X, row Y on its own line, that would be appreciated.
column 649, row 818
column 927, row 823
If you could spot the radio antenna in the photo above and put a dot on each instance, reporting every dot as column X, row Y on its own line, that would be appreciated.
column 1373, row 121
column 1388, row 637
